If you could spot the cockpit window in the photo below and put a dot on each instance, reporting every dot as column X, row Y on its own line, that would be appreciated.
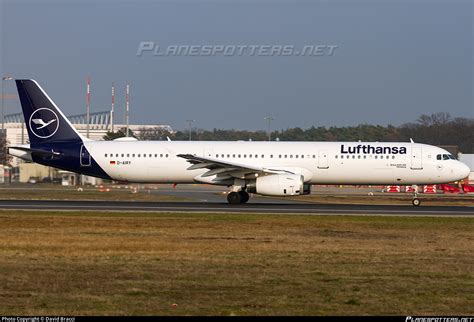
column 445, row 157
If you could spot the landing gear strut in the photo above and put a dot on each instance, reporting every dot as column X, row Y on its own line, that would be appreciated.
column 415, row 201
column 235, row 198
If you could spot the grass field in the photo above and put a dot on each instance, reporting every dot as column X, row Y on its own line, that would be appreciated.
column 88, row 193
column 124, row 263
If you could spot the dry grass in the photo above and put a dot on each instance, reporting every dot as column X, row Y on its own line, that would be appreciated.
column 99, row 263
column 86, row 194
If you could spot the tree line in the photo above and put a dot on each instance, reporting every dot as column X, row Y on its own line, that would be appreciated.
column 436, row 129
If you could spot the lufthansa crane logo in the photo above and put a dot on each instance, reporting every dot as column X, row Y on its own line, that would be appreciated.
column 44, row 123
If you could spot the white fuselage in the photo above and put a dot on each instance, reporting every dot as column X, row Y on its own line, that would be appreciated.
column 319, row 162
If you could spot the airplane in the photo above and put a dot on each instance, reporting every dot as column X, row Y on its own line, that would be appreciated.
column 265, row 168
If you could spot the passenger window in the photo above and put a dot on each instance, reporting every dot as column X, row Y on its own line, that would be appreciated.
column 144, row 155
column 365, row 157
column 106, row 155
column 358, row 157
column 353, row 156
column 166, row 155
column 286, row 156
column 139, row 155
column 239, row 155
column 116, row 155
column 302, row 156
column 393, row 157
column 133, row 155
column 279, row 156
column 128, row 155
column 296, row 156
column 291, row 156
column 263, row 156
column 250, row 155
column 314, row 157
column 376, row 156
column 228, row 155
column 245, row 155
column 336, row 156
column 222, row 155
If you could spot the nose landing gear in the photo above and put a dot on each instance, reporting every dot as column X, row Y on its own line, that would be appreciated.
column 415, row 201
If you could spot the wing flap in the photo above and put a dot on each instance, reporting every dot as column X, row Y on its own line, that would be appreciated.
column 218, row 171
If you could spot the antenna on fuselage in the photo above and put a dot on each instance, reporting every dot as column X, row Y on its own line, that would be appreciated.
column 411, row 140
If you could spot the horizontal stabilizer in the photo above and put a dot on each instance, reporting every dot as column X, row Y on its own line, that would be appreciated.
column 33, row 152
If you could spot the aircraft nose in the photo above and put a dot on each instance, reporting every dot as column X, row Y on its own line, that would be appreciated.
column 463, row 170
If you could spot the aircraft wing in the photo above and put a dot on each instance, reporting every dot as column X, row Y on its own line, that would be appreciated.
column 225, row 168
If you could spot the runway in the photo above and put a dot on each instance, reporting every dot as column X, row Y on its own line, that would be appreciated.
column 266, row 208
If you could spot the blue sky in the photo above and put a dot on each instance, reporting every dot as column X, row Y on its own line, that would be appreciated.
column 395, row 59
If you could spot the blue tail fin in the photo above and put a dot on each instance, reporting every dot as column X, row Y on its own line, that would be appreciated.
column 43, row 119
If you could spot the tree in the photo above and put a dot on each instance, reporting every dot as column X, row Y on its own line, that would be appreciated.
column 4, row 157
column 434, row 129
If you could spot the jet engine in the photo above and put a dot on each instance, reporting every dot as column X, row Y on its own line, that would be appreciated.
column 279, row 185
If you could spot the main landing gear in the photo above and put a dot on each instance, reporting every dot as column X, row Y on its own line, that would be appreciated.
column 235, row 198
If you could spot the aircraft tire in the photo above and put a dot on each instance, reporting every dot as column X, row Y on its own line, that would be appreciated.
column 244, row 196
column 233, row 198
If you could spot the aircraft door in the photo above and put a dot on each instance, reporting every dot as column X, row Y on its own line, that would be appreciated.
column 323, row 162
column 416, row 159
column 85, row 157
